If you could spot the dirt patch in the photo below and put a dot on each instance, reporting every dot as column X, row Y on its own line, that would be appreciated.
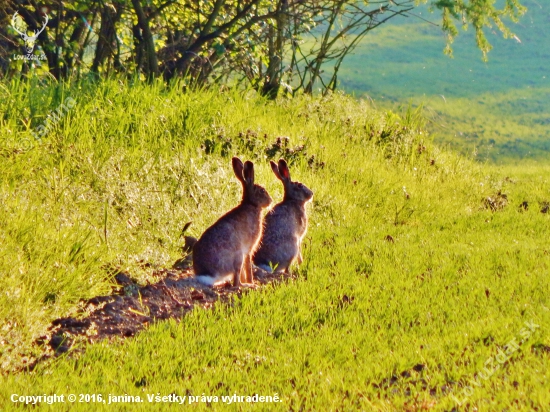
column 496, row 202
column 131, row 308
column 524, row 206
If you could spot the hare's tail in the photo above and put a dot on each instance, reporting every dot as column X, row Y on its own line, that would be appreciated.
column 213, row 280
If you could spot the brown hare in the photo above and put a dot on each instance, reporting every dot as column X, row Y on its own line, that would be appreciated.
column 285, row 225
column 224, row 251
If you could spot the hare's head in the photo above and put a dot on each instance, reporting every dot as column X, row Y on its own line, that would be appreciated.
column 254, row 194
column 293, row 190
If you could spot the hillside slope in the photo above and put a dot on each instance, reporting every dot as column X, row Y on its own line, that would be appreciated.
column 419, row 266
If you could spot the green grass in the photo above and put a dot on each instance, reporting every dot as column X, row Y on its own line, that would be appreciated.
column 498, row 109
column 113, row 184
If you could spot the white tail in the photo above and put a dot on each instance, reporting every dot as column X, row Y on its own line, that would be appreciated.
column 212, row 280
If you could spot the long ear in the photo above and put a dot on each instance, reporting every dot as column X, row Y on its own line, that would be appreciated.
column 275, row 169
column 248, row 173
column 238, row 169
column 283, row 170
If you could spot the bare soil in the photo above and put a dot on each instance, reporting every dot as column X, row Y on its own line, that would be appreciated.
column 131, row 308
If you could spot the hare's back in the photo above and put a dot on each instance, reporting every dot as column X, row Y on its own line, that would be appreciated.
column 221, row 233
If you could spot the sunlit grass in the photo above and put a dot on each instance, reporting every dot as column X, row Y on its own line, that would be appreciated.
column 403, row 264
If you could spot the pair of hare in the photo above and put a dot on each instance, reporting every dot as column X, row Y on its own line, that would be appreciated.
column 227, row 249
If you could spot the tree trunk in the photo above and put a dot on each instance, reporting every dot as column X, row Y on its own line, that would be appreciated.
column 72, row 53
column 147, row 36
column 274, row 71
column 106, row 43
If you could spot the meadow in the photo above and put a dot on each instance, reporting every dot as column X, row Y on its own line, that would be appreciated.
column 415, row 292
column 494, row 111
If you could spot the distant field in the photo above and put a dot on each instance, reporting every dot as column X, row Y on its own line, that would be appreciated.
column 499, row 109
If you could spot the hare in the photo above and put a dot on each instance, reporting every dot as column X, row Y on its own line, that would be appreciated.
column 285, row 225
column 225, row 249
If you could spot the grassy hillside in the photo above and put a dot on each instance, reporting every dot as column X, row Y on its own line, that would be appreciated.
column 410, row 287
column 498, row 109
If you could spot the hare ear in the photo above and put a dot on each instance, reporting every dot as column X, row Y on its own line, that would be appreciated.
column 238, row 168
column 248, row 172
column 283, row 170
column 275, row 169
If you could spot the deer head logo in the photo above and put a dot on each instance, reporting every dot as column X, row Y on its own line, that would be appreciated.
column 29, row 40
